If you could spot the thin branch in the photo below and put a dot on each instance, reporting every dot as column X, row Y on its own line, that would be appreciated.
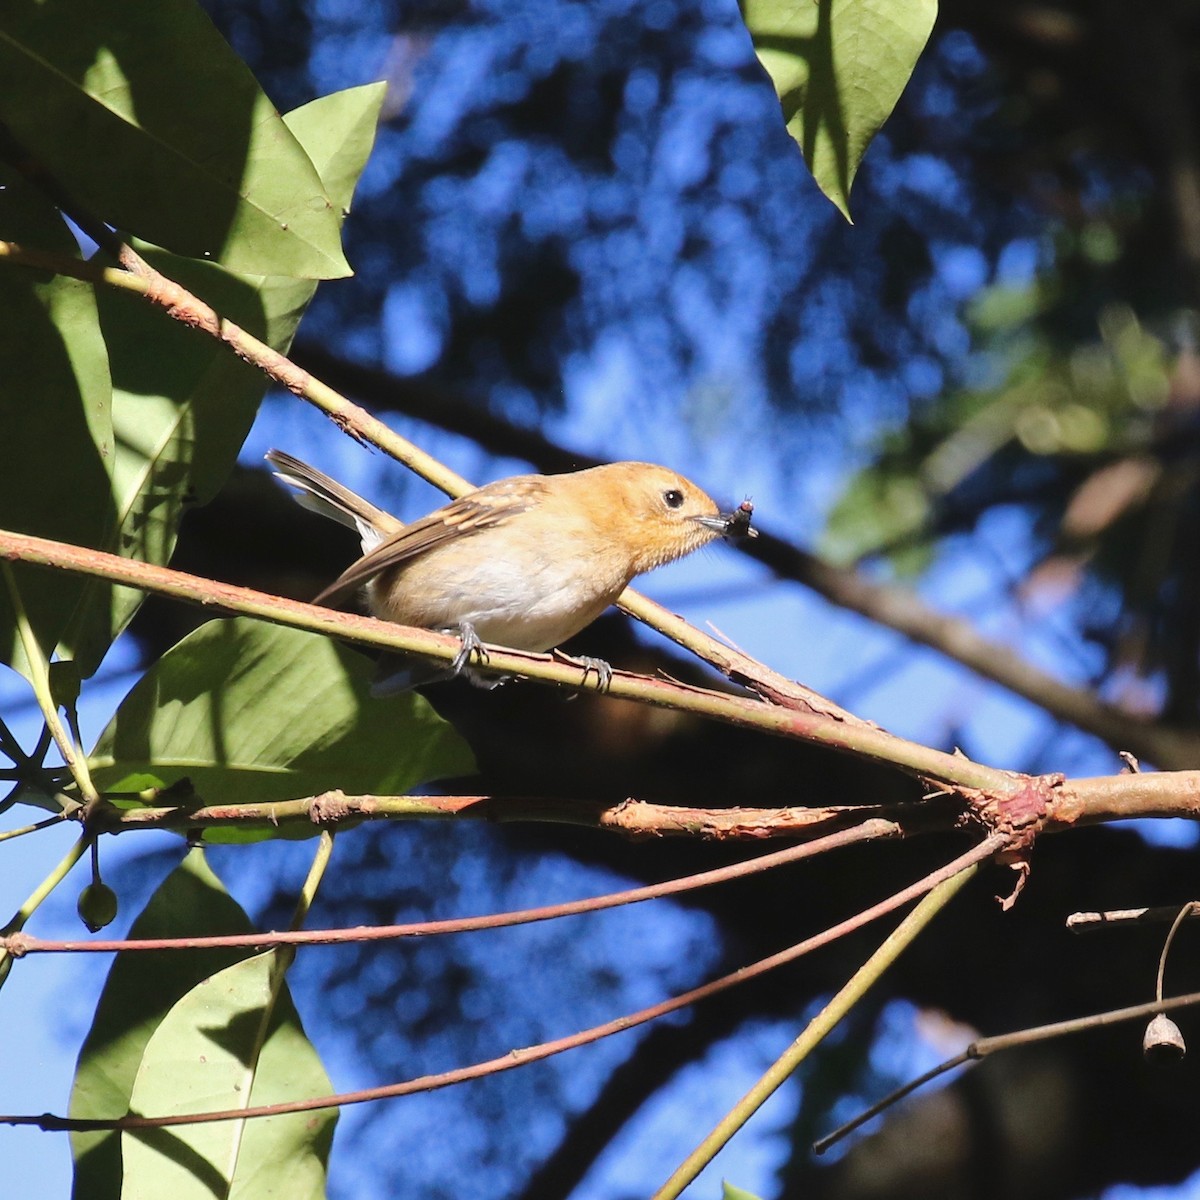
column 37, row 827
column 863, row 740
column 518, row 1058
column 893, row 607
column 1126, row 918
column 20, row 944
column 982, row 1047
column 36, row 898
column 816, row 1031
column 635, row 819
column 1186, row 911
column 997, row 797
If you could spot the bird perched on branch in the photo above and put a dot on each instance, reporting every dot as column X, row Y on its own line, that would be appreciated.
column 525, row 562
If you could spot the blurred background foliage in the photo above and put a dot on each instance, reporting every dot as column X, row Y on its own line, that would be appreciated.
column 585, row 229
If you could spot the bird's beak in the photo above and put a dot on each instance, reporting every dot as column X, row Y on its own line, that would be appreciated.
column 735, row 523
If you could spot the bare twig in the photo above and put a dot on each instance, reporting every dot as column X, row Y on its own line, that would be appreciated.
column 1127, row 918
column 982, row 1047
column 866, row 741
column 21, row 944
column 518, row 1058
column 635, row 819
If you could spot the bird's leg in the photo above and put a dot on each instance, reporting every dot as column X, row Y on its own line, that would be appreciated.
column 470, row 645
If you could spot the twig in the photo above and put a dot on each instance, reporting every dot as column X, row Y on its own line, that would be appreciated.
column 982, row 1047
column 1125, row 918
column 862, row 740
column 1186, row 911
column 20, row 944
column 518, row 1058
column 35, row 899
column 57, row 819
column 817, row 1030
column 635, row 819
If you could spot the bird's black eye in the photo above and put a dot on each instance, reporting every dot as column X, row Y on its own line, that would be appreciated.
column 673, row 497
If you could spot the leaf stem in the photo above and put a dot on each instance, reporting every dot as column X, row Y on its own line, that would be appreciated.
column 39, row 681
column 38, row 895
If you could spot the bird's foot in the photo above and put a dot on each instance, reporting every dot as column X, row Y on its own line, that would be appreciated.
column 604, row 672
column 470, row 645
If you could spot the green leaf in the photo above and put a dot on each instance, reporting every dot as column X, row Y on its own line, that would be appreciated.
column 205, row 1055
column 55, row 413
column 182, row 413
column 140, row 990
column 838, row 67
column 141, row 109
column 180, row 416
column 337, row 132
column 254, row 712
column 729, row 1192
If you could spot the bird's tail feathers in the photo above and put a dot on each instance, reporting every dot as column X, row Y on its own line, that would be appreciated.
column 328, row 498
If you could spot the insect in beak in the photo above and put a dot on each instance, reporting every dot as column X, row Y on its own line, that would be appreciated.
column 735, row 524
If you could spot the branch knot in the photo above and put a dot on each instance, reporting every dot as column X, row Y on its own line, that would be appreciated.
column 1019, row 817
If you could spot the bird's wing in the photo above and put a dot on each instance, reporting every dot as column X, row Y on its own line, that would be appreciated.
column 482, row 509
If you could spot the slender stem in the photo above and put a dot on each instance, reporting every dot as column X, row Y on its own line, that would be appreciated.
column 37, row 896
column 630, row 817
column 57, row 819
column 817, row 1030
column 979, row 1050
column 39, row 680
column 1185, row 912
column 22, row 944
column 43, row 889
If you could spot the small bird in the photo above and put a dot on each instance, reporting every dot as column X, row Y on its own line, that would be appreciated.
column 525, row 562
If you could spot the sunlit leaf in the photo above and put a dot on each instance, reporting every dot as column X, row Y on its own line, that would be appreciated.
column 251, row 712
column 145, row 110
column 140, row 990
column 205, row 1056
column 839, row 67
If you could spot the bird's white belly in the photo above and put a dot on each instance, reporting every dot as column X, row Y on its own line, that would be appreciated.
column 531, row 606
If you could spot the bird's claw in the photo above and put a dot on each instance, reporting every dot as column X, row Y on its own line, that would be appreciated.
column 604, row 672
column 470, row 645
